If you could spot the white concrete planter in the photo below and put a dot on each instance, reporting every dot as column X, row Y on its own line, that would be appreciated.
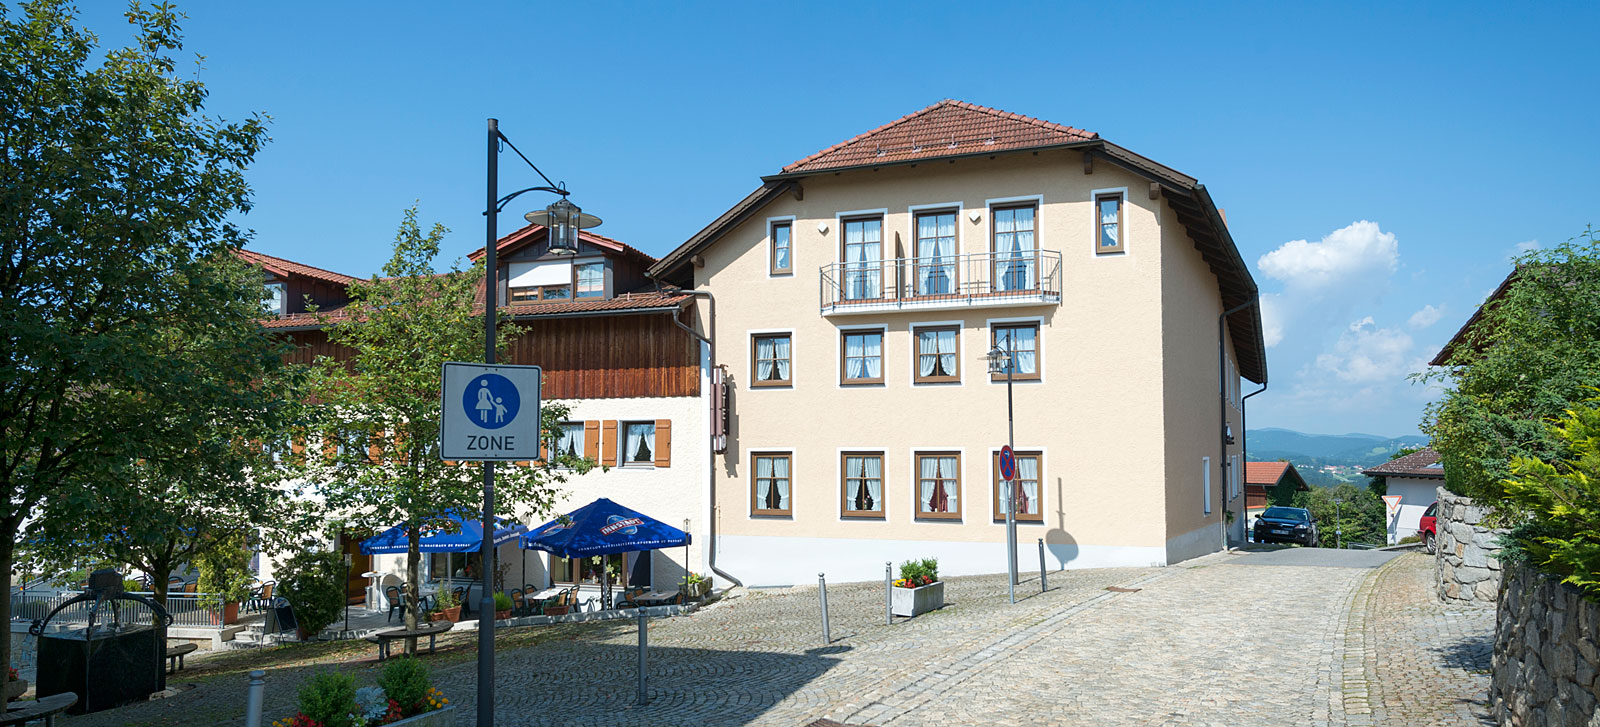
column 694, row 590
column 912, row 601
column 441, row 717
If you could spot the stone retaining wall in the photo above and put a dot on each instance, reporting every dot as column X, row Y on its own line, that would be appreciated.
column 1466, row 563
column 1545, row 655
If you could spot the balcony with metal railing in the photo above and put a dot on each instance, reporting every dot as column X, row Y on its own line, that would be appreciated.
column 945, row 282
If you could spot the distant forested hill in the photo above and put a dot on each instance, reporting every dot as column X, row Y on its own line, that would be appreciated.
column 1361, row 450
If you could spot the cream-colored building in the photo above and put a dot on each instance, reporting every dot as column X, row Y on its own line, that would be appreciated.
column 857, row 292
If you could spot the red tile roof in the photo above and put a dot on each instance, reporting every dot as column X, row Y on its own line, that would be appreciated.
column 516, row 239
column 1415, row 464
column 284, row 268
column 947, row 128
column 624, row 302
column 1264, row 473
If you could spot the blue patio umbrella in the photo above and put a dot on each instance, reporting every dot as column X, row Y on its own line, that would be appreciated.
column 602, row 527
column 447, row 532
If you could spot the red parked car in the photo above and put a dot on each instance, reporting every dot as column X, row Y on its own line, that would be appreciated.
column 1427, row 529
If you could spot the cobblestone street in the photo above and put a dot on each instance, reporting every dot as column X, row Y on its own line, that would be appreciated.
column 1212, row 641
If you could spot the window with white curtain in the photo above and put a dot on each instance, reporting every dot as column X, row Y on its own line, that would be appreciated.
column 1022, row 340
column 769, row 493
column 863, row 258
column 938, row 354
column 939, row 485
column 936, row 253
column 1029, row 507
column 639, row 440
column 1014, row 254
column 1109, row 230
column 862, row 493
column 780, row 235
column 569, row 440
column 770, row 355
column 862, row 357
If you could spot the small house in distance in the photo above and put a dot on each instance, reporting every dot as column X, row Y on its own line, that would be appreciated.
column 1260, row 478
column 1416, row 478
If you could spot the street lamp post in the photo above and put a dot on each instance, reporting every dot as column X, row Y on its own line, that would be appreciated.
column 345, row 588
column 562, row 219
column 1001, row 359
column 1338, row 526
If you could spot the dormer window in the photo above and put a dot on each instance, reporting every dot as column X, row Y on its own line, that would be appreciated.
column 277, row 299
column 533, row 282
column 591, row 280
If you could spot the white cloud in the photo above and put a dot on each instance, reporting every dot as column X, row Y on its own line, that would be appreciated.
column 1523, row 247
column 1366, row 355
column 1345, row 257
column 1272, row 316
column 1428, row 316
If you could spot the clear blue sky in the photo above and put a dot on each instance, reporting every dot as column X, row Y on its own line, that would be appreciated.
column 1457, row 131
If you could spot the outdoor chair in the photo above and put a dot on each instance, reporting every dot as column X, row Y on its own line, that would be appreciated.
column 461, row 598
column 263, row 597
column 396, row 602
column 519, row 606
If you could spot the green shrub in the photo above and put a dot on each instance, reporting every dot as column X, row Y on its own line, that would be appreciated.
column 225, row 570
column 1556, row 507
column 502, row 602
column 919, row 570
column 446, row 598
column 329, row 697
column 405, row 680
column 314, row 586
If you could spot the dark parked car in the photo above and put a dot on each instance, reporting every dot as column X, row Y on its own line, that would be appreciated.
column 1286, row 525
column 1429, row 528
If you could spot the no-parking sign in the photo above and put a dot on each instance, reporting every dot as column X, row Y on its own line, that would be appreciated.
column 1008, row 463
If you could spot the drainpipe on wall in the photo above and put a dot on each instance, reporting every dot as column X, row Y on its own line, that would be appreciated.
column 711, row 474
column 1244, row 452
column 1222, row 410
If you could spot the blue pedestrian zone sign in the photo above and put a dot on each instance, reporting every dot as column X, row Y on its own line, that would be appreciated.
column 489, row 412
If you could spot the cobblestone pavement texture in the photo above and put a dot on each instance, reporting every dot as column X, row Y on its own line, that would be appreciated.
column 1202, row 643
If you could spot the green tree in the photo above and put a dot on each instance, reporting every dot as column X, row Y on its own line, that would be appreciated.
column 116, row 194
column 378, row 464
column 1345, row 513
column 1530, row 356
column 1556, row 507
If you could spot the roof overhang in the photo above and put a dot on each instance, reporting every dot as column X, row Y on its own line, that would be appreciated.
column 1190, row 199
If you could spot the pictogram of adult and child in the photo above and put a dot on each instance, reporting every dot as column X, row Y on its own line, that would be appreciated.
column 491, row 401
column 488, row 402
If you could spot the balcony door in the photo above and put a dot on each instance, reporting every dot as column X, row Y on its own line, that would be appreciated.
column 1014, row 252
column 936, row 253
column 863, row 259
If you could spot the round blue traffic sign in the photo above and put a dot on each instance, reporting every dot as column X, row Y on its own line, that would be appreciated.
column 491, row 401
column 1008, row 463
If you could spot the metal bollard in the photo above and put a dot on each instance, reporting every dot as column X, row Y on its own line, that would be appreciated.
column 644, row 643
column 822, row 592
column 1042, row 586
column 252, row 709
column 888, row 594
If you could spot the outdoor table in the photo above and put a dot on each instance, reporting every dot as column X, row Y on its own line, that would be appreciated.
column 45, row 708
column 655, row 598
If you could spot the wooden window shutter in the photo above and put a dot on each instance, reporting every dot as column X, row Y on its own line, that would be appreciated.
column 591, row 440
column 609, row 459
column 663, row 442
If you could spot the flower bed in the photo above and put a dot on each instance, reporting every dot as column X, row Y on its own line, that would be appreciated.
column 402, row 696
column 918, row 590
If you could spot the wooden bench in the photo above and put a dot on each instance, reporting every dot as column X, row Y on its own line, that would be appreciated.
column 46, row 708
column 432, row 630
column 175, row 656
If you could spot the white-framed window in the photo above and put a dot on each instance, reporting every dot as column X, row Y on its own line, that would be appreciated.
column 639, row 444
column 1022, row 340
column 1205, row 482
column 861, row 484
column 863, row 258
column 1029, row 507
column 781, row 235
column 569, row 440
column 591, row 280
column 1110, row 228
column 1014, row 249
column 939, row 485
column 861, row 357
column 770, row 358
column 769, row 489
column 936, row 252
column 938, row 354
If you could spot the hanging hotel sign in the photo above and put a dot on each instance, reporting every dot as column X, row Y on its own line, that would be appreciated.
column 489, row 412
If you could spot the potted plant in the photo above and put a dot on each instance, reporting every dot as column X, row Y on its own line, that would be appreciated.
column 502, row 606
column 225, row 577
column 447, row 607
column 694, row 585
column 918, row 590
column 313, row 583
column 15, row 685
